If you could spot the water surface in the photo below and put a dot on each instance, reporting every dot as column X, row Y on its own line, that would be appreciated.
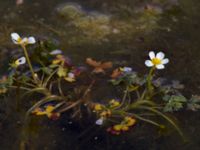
column 121, row 31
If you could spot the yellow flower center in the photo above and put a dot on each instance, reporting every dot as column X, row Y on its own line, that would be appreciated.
column 19, row 40
column 17, row 63
column 156, row 61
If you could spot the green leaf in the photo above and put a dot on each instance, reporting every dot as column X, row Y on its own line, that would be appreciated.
column 46, row 70
column 53, row 66
column 116, row 81
column 129, row 79
column 174, row 102
column 194, row 103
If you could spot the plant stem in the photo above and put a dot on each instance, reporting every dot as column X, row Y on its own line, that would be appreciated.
column 23, row 88
column 149, row 81
column 29, row 62
column 60, row 88
column 124, row 97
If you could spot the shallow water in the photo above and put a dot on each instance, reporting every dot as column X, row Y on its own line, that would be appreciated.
column 121, row 31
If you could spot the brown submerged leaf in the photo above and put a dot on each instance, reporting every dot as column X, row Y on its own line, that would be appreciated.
column 116, row 73
column 99, row 67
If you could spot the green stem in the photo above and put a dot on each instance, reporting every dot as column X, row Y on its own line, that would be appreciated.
column 29, row 62
column 23, row 88
column 60, row 88
column 149, row 81
column 124, row 98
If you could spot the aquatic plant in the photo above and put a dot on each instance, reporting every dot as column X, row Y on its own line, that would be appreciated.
column 62, row 86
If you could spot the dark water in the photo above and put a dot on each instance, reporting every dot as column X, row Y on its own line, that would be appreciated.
column 122, row 31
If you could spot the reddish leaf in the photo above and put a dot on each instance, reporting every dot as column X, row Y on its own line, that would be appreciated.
column 99, row 67
column 116, row 73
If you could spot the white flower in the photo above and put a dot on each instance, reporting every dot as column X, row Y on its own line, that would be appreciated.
column 20, row 61
column 126, row 69
column 157, row 60
column 56, row 52
column 99, row 121
column 22, row 41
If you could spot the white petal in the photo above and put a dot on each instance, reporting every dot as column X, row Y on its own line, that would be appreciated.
column 161, row 66
column 56, row 52
column 15, row 37
column 99, row 121
column 20, row 61
column 71, row 75
column 152, row 54
column 160, row 55
column 31, row 40
column 165, row 61
column 148, row 63
column 127, row 69
column 24, row 41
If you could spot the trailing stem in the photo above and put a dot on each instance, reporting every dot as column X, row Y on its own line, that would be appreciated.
column 29, row 62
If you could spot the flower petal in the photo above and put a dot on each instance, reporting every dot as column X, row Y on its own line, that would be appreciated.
column 127, row 69
column 71, row 75
column 20, row 61
column 99, row 121
column 24, row 41
column 161, row 66
column 15, row 38
column 69, row 79
column 31, row 40
column 148, row 63
column 56, row 52
column 160, row 55
column 165, row 61
column 151, row 54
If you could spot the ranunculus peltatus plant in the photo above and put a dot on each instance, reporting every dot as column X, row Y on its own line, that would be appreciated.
column 63, row 86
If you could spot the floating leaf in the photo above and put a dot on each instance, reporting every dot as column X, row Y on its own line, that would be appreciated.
column 99, row 67
column 116, row 73
column 62, row 72
column 48, row 111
